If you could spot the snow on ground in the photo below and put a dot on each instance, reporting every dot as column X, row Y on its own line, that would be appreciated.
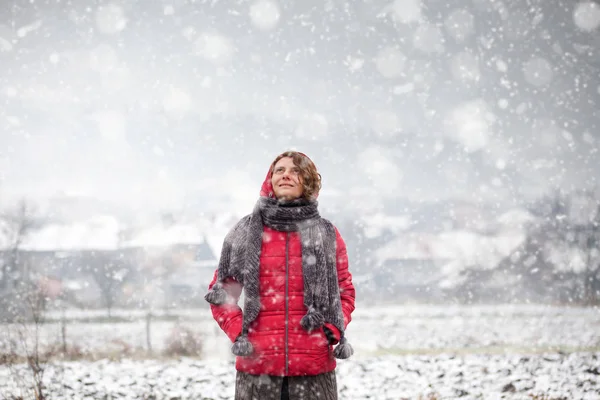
column 373, row 331
column 400, row 352
column 447, row 376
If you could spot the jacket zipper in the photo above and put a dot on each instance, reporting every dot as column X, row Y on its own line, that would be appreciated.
column 287, row 240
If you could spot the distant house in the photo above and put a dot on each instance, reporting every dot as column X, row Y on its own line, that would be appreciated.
column 432, row 266
column 189, row 283
column 177, row 262
column 166, row 265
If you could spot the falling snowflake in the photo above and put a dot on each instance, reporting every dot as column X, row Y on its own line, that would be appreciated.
column 538, row 71
column 110, row 18
column 265, row 14
column 390, row 62
column 587, row 16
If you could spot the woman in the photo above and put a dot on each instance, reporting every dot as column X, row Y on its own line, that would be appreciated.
column 293, row 267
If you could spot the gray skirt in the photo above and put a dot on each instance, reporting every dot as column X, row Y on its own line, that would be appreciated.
column 267, row 387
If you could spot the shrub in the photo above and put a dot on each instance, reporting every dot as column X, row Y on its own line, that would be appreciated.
column 182, row 341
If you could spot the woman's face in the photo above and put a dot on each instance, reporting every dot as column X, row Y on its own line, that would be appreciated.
column 286, row 181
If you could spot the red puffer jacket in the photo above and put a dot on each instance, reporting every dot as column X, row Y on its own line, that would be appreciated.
column 281, row 346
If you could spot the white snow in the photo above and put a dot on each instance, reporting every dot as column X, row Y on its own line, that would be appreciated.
column 14, row 121
column 377, row 165
column 101, row 232
column 516, row 24
column 460, row 24
column 103, row 58
column 177, row 102
column 11, row 91
column 587, row 15
column 376, row 224
column 170, row 106
column 515, row 219
column 54, row 58
column 313, row 126
column 424, row 75
column 215, row 48
column 428, row 38
column 400, row 352
column 565, row 258
column 501, row 66
column 385, row 122
column 465, row 66
column 265, row 14
column 110, row 18
column 405, row 11
column 404, row 89
column 354, row 63
column 25, row 30
column 455, row 249
column 189, row 32
column 390, row 62
column 373, row 331
column 588, row 138
column 161, row 236
column 111, row 125
column 157, row 150
column 169, row 9
column 5, row 45
column 549, row 132
column 583, row 210
column 538, row 71
column 97, row 233
column 470, row 124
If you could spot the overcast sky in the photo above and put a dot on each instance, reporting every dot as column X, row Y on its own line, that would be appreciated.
column 155, row 104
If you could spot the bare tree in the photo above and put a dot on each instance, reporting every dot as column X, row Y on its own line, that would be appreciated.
column 27, row 362
column 110, row 271
column 16, row 223
column 562, row 251
column 585, row 234
column 559, row 259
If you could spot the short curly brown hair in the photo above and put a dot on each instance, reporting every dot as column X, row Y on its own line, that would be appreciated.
column 309, row 176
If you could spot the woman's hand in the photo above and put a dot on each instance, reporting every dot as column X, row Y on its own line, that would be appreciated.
column 331, row 339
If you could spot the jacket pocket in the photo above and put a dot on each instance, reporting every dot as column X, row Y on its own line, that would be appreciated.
column 319, row 338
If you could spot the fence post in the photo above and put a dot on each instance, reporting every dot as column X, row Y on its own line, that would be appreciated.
column 63, row 330
column 148, row 341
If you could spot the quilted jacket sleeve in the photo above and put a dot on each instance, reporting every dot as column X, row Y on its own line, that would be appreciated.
column 229, row 315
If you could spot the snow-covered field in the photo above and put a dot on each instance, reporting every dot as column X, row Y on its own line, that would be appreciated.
column 373, row 331
column 401, row 352
column 447, row 376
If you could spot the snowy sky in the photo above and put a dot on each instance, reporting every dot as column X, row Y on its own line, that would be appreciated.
column 160, row 103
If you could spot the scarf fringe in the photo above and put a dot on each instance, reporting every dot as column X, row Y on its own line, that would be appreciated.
column 242, row 347
column 216, row 295
column 343, row 350
column 312, row 320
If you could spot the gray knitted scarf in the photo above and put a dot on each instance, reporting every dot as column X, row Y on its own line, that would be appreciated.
column 240, row 259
